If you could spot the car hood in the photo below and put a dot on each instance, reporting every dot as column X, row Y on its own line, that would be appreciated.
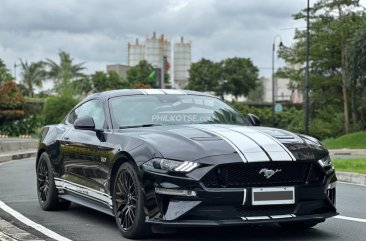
column 251, row 144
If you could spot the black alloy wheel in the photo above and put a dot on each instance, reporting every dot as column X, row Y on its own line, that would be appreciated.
column 46, row 188
column 128, row 201
column 43, row 180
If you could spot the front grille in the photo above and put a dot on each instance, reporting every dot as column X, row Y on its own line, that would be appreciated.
column 267, row 210
column 247, row 174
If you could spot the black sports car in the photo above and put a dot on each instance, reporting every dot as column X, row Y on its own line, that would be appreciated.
column 180, row 159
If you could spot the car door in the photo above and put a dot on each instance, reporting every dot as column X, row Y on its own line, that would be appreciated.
column 82, row 159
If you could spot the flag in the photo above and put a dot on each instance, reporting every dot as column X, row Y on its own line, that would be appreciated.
column 152, row 76
column 166, row 64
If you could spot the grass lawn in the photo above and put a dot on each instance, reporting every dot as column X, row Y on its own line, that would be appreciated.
column 355, row 140
column 357, row 165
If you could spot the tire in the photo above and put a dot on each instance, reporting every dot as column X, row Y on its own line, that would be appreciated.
column 128, row 203
column 46, row 189
column 299, row 225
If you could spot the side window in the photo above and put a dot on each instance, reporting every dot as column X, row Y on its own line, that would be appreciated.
column 93, row 108
column 73, row 115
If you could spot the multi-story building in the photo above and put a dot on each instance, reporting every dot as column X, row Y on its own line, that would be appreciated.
column 136, row 53
column 182, row 62
column 154, row 49
column 120, row 69
column 282, row 91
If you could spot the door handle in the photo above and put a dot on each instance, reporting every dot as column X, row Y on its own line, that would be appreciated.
column 66, row 138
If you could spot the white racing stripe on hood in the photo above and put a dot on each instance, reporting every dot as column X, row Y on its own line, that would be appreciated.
column 162, row 92
column 152, row 91
column 250, row 144
column 211, row 129
column 174, row 92
column 283, row 146
column 247, row 149
column 275, row 149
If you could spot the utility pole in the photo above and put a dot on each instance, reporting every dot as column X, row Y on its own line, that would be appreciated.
column 274, row 84
column 306, row 94
column 15, row 71
column 162, row 74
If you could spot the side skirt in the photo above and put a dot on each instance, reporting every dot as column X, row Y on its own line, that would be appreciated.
column 84, row 196
column 72, row 197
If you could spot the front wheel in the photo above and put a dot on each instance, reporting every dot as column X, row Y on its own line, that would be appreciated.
column 46, row 188
column 128, row 203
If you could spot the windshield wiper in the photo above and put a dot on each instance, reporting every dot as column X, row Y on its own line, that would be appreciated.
column 137, row 126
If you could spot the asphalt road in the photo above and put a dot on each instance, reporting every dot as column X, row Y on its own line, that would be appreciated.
column 18, row 190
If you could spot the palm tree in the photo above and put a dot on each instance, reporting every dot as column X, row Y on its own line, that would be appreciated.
column 65, row 72
column 32, row 75
column 4, row 73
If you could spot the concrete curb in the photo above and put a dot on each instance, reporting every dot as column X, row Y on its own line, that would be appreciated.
column 17, row 155
column 351, row 177
column 16, row 144
column 8, row 232
column 347, row 152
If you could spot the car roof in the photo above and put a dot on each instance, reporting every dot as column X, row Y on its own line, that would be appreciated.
column 129, row 92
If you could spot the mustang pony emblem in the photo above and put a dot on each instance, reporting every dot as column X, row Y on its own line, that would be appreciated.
column 268, row 173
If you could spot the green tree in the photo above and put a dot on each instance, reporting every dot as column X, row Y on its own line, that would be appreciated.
column 4, row 73
column 11, row 102
column 32, row 75
column 56, row 108
column 65, row 72
column 256, row 94
column 240, row 76
column 23, row 89
column 100, row 81
column 110, row 81
column 140, row 73
column 333, row 22
column 82, row 86
column 356, row 60
column 204, row 75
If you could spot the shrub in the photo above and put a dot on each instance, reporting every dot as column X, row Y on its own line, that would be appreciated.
column 26, row 125
column 56, row 107
column 11, row 102
column 324, row 125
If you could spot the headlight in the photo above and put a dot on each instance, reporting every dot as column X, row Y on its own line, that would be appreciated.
column 325, row 161
column 166, row 165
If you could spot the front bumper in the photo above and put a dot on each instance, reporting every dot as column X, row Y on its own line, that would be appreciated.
column 238, row 222
column 230, row 206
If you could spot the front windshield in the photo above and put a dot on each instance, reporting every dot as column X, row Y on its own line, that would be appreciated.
column 171, row 110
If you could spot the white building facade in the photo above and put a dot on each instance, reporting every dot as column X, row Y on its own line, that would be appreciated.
column 282, row 91
column 153, row 50
column 182, row 62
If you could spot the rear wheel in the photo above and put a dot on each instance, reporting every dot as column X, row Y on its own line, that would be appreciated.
column 299, row 225
column 46, row 188
column 128, row 203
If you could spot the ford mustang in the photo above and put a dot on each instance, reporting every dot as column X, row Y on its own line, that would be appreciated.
column 157, row 159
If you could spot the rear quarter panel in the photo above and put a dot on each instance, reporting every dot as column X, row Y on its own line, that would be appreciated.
column 50, row 142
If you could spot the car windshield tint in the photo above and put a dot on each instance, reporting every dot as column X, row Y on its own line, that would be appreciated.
column 149, row 110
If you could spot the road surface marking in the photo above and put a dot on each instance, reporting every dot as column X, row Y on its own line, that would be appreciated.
column 2, row 163
column 361, row 220
column 36, row 226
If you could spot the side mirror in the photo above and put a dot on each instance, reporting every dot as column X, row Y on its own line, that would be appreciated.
column 254, row 120
column 85, row 123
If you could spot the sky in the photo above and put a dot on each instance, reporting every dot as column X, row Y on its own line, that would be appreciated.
column 97, row 32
